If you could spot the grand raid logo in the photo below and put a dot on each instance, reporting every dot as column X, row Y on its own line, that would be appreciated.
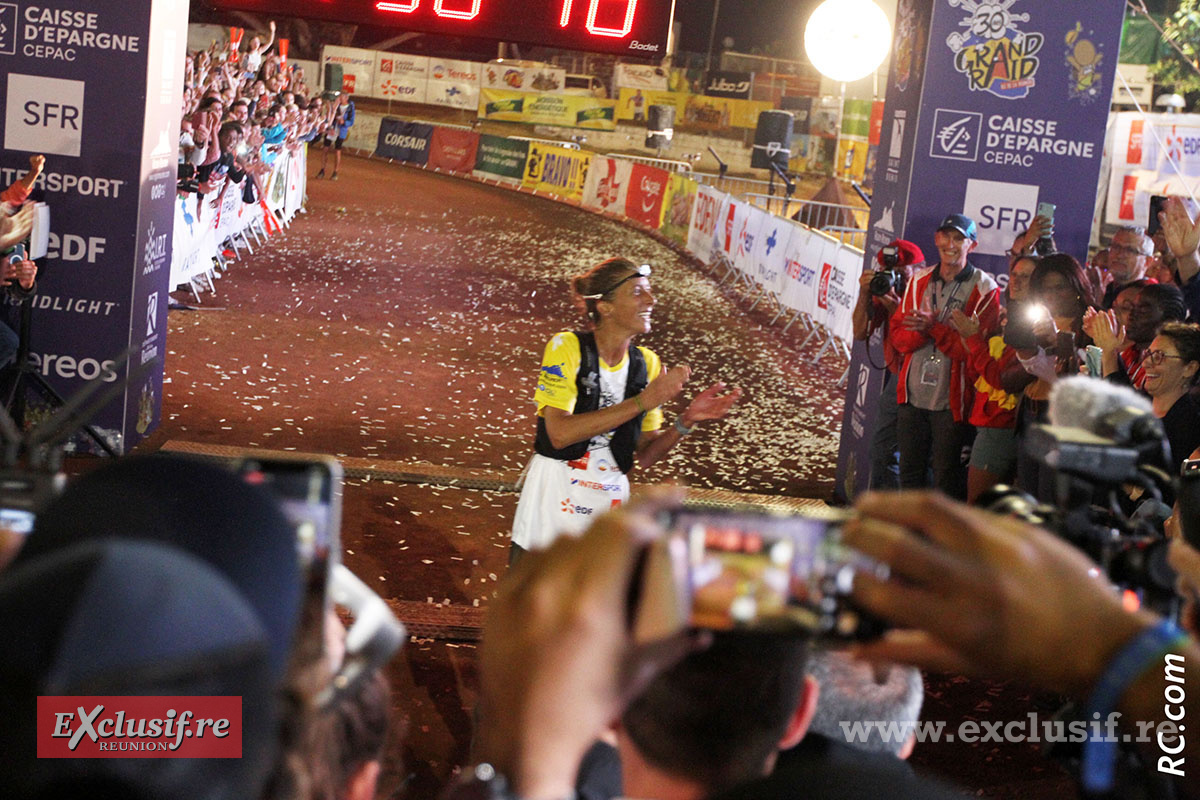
column 993, row 55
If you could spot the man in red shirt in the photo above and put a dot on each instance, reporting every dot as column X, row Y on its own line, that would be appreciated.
column 933, row 389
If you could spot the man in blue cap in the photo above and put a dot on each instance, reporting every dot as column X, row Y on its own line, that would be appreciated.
column 933, row 390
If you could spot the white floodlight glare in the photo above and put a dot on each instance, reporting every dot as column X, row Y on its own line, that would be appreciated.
column 847, row 39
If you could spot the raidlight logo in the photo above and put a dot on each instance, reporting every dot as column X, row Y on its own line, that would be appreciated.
column 864, row 380
column 823, row 287
column 151, row 314
column 896, row 146
column 8, row 29
column 729, row 228
column 44, row 115
column 154, row 254
column 1128, row 196
column 956, row 134
column 139, row 727
column 887, row 218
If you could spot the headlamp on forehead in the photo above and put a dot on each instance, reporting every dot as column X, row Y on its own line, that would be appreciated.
column 640, row 272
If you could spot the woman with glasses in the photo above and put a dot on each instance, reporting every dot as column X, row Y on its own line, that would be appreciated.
column 1171, row 364
column 599, row 412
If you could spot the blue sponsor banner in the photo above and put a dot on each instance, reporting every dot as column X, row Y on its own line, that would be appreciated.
column 404, row 141
column 1013, row 113
column 87, row 86
column 990, row 110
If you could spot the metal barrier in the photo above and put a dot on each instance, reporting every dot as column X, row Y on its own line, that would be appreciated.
column 669, row 164
column 440, row 124
column 855, row 237
column 734, row 186
column 554, row 142
column 772, row 203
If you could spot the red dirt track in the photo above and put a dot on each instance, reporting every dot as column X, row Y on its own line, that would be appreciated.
column 402, row 320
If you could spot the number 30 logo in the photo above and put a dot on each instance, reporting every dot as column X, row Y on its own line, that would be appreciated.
column 439, row 8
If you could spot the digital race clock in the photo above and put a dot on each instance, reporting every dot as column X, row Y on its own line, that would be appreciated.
column 625, row 27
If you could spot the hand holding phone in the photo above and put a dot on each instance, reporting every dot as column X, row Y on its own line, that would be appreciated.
column 754, row 570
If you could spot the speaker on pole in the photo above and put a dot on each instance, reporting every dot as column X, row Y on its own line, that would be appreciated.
column 772, row 140
column 660, row 126
column 333, row 78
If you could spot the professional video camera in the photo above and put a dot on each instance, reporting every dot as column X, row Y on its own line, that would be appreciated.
column 1113, row 488
column 889, row 278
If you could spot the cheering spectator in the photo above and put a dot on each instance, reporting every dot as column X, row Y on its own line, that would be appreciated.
column 1155, row 304
column 1181, row 234
column 1128, row 254
column 933, row 391
column 1171, row 364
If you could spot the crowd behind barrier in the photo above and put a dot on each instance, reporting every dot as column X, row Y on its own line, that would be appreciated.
column 809, row 276
column 247, row 118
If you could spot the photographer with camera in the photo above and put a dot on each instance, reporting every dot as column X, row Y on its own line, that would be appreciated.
column 933, row 391
column 879, row 293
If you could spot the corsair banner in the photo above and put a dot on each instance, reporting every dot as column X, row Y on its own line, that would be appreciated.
column 991, row 109
column 88, row 87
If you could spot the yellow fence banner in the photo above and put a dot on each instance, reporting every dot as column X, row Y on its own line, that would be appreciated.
column 565, row 110
column 556, row 170
column 698, row 110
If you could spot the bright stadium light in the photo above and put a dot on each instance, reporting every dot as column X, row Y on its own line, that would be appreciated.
column 847, row 39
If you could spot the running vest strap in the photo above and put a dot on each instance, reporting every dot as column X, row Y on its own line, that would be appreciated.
column 587, row 398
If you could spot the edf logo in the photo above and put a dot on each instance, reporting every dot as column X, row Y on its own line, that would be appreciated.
column 44, row 115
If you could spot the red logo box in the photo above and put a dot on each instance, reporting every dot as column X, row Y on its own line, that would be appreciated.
column 139, row 727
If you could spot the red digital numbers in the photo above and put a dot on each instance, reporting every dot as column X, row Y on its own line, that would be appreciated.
column 439, row 8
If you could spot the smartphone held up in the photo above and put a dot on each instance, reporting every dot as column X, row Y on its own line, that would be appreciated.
column 753, row 570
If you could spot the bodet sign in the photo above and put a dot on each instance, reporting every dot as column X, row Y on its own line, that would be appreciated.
column 96, row 88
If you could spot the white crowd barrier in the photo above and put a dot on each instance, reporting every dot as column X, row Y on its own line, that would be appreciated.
column 804, row 271
column 205, row 230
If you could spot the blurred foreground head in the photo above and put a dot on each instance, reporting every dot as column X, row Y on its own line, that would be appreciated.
column 203, row 509
column 129, row 618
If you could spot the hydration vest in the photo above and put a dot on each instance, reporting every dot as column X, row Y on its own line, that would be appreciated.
column 587, row 398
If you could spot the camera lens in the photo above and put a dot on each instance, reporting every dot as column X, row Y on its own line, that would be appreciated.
column 882, row 282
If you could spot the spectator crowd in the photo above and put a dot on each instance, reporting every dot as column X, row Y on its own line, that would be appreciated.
column 970, row 367
column 243, row 108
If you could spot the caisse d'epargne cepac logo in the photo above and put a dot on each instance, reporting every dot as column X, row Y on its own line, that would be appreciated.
column 992, row 53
